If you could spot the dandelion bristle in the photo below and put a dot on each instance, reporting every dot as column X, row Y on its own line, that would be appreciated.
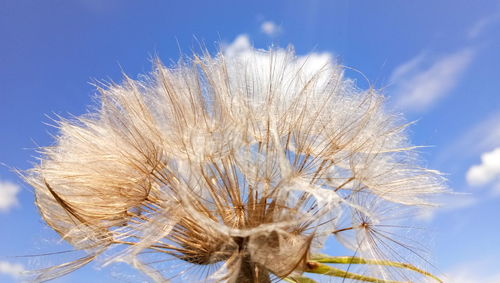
column 243, row 164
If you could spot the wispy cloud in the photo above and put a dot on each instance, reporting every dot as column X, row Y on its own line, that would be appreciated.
column 270, row 28
column 448, row 203
column 469, row 276
column 487, row 172
column 11, row 269
column 407, row 68
column 473, row 271
column 482, row 24
column 480, row 138
column 484, row 136
column 420, row 82
column 8, row 195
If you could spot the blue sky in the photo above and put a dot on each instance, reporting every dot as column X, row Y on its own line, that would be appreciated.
column 436, row 61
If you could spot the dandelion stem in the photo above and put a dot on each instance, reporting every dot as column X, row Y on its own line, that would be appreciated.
column 251, row 273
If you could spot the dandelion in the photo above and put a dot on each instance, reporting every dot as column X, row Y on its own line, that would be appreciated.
column 235, row 168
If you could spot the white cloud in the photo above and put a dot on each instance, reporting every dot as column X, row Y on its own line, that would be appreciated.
column 8, row 195
column 257, row 62
column 240, row 44
column 419, row 84
column 270, row 28
column 481, row 139
column 241, row 48
column 11, row 269
column 487, row 171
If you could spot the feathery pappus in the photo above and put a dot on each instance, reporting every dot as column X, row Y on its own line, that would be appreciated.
column 235, row 168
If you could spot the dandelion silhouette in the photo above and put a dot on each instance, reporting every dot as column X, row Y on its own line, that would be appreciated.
column 235, row 169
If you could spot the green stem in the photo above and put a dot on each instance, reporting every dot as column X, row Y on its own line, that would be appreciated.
column 323, row 269
column 359, row 260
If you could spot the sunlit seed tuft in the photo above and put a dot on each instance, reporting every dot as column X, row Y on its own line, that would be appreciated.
column 243, row 164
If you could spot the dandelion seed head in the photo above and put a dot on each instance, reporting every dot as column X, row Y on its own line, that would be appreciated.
column 242, row 164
